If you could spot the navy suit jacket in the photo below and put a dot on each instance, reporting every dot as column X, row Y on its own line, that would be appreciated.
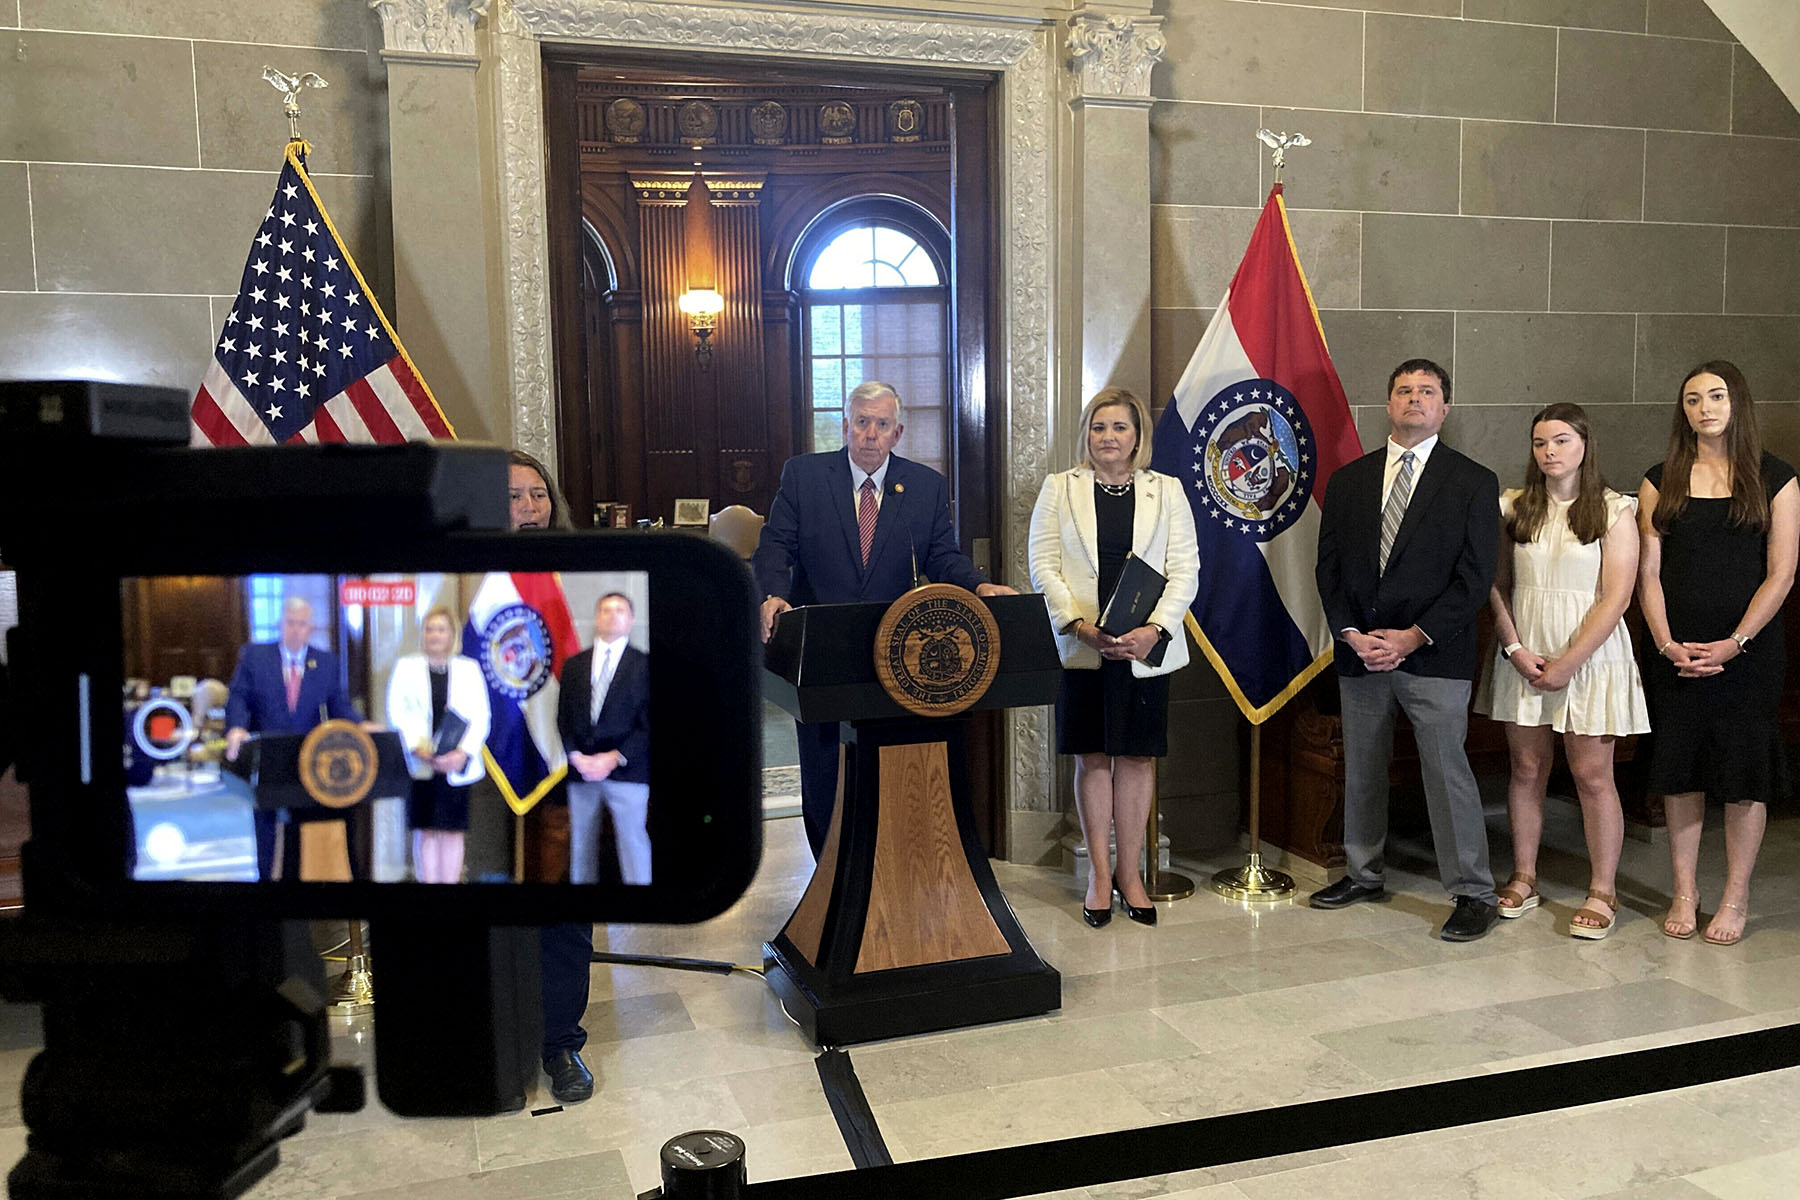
column 1439, row 570
column 811, row 549
column 258, row 699
column 624, row 723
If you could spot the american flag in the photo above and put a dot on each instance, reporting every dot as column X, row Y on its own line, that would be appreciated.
column 306, row 354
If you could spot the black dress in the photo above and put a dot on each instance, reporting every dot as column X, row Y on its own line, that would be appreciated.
column 436, row 803
column 1718, row 734
column 1111, row 711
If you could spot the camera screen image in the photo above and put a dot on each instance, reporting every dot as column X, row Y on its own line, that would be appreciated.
column 392, row 727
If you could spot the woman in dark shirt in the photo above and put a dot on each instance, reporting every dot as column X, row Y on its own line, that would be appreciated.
column 1720, row 522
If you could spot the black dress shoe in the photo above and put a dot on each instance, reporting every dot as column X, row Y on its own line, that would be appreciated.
column 1143, row 916
column 1471, row 920
column 1096, row 916
column 570, row 1080
column 1344, row 892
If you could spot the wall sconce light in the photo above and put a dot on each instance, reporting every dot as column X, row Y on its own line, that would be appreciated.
column 701, row 302
column 702, row 307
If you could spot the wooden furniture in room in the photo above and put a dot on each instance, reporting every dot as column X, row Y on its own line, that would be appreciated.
column 902, row 928
column 1303, row 757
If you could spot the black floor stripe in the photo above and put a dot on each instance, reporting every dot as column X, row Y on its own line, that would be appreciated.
column 1268, row 1133
column 856, row 1121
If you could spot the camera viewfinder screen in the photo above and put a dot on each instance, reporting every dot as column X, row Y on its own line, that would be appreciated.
column 388, row 727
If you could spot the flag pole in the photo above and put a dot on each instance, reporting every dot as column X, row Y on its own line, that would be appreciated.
column 1253, row 881
column 1158, row 883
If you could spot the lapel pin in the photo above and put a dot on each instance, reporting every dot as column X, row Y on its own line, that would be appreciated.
column 312, row 664
column 899, row 489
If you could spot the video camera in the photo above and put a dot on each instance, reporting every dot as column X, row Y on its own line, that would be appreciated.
column 146, row 909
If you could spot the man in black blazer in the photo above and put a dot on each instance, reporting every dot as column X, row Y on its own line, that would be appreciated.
column 603, row 714
column 1407, row 542
column 848, row 526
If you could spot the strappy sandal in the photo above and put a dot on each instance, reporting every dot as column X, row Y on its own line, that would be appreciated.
column 1594, row 933
column 1669, row 931
column 1523, row 899
column 1735, row 938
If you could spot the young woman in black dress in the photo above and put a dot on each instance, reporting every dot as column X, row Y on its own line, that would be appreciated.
column 1112, row 710
column 1720, row 521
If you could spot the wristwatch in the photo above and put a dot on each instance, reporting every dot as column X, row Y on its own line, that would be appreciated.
column 1506, row 651
column 1162, row 635
column 1743, row 642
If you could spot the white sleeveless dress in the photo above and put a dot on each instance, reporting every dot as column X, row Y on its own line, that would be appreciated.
column 1555, row 582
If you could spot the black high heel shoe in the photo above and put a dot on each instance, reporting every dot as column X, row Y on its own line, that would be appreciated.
column 1096, row 917
column 1143, row 916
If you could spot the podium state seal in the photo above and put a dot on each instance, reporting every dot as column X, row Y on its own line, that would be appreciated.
column 937, row 650
column 338, row 763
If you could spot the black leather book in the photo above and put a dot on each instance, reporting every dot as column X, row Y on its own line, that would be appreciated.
column 450, row 733
column 1132, row 601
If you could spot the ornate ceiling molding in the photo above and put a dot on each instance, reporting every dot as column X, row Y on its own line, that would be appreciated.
column 436, row 27
column 1021, row 54
column 1110, row 55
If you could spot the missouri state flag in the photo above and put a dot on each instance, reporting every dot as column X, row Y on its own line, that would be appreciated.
column 1256, row 427
column 520, row 631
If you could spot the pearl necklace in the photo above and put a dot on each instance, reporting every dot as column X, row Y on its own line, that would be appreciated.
column 1114, row 489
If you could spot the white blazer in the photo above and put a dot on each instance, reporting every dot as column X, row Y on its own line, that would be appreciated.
column 409, row 711
column 1065, row 560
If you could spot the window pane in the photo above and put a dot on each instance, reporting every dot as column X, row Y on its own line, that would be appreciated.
column 828, row 430
column 827, row 322
column 827, row 383
column 856, row 373
column 924, row 437
column 873, row 256
column 856, row 329
column 844, row 262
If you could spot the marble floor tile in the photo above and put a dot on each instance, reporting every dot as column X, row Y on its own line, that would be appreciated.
column 1621, row 1145
column 614, row 1118
column 1470, row 1038
column 893, row 1074
column 1624, row 1010
column 625, row 1017
column 1662, row 1189
column 368, row 1160
column 1451, row 1169
column 780, row 1093
column 1769, row 1177
column 1013, row 1114
column 1206, row 1085
column 1764, row 1106
column 1152, row 986
column 599, row 1176
column 1308, row 963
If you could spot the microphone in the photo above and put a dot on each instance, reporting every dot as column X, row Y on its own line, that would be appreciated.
column 912, row 548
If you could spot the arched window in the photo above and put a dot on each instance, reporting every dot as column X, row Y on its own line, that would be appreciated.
column 875, row 306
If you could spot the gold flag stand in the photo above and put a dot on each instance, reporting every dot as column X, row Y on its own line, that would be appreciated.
column 354, row 991
column 1253, row 881
column 1159, row 884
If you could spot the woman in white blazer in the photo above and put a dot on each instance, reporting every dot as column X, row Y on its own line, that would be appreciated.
column 421, row 691
column 1112, row 710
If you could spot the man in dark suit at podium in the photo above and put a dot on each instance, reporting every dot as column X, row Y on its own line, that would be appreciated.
column 286, row 686
column 854, row 526
column 603, row 714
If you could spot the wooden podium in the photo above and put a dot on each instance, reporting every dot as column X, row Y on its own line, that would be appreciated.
column 267, row 772
column 902, row 929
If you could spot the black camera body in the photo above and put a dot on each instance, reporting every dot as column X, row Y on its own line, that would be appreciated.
column 100, row 498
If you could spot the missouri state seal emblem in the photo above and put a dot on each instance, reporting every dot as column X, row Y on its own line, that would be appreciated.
column 937, row 650
column 1253, row 459
column 338, row 764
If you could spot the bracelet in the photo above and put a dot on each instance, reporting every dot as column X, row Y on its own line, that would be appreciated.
column 1506, row 651
column 1662, row 649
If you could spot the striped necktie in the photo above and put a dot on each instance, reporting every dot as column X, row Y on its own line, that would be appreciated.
column 1394, row 511
column 866, row 512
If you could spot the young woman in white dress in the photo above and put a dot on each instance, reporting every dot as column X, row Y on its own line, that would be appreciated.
column 1563, row 661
